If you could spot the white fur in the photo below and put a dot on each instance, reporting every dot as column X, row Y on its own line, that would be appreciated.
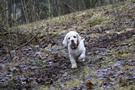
column 76, row 48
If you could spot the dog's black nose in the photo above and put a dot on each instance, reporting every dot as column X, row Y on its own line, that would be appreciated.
column 72, row 40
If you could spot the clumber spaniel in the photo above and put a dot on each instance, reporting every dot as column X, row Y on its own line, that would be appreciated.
column 76, row 48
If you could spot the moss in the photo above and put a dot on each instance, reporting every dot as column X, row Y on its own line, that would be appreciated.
column 123, row 54
column 41, row 36
column 43, row 88
column 106, row 23
column 85, row 72
column 123, row 84
column 11, row 84
column 94, row 21
column 131, row 87
column 73, row 83
column 36, row 62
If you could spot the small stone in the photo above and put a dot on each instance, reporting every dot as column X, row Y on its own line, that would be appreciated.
column 2, row 84
column 133, row 35
column 133, row 76
column 34, row 67
column 37, row 46
column 23, row 83
column 65, row 74
column 80, row 28
column 126, row 23
column 133, row 25
column 50, row 63
column 13, row 52
column 38, row 53
column 13, row 69
column 2, row 69
column 74, row 88
column 51, row 88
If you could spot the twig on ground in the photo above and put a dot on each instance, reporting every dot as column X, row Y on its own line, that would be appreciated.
column 27, row 42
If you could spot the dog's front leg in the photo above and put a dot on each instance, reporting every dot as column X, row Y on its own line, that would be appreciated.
column 73, row 62
column 82, row 56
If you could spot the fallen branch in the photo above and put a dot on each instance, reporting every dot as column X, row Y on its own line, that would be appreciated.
column 4, row 10
column 5, row 33
column 27, row 42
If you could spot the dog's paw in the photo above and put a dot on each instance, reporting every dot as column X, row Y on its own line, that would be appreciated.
column 82, row 58
column 74, row 65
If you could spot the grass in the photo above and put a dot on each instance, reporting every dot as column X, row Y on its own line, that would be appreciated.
column 94, row 20
column 73, row 83
column 43, row 88
column 36, row 62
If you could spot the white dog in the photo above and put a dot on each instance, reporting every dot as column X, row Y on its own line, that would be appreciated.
column 76, row 48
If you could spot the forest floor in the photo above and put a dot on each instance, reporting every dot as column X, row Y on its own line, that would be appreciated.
column 43, row 64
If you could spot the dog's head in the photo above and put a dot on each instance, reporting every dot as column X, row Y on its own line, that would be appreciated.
column 72, row 39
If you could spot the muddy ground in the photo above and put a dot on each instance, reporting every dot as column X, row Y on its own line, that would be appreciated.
column 109, row 33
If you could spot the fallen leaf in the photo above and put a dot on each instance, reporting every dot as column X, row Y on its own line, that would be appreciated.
column 89, row 84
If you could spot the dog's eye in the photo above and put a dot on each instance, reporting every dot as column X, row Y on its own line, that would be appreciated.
column 69, row 38
column 74, row 36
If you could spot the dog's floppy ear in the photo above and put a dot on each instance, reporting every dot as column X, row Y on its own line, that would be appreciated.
column 65, row 42
column 79, row 37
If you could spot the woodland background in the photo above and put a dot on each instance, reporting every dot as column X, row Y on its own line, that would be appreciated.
column 25, row 11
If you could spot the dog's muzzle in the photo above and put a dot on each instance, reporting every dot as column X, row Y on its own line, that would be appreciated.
column 73, row 45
